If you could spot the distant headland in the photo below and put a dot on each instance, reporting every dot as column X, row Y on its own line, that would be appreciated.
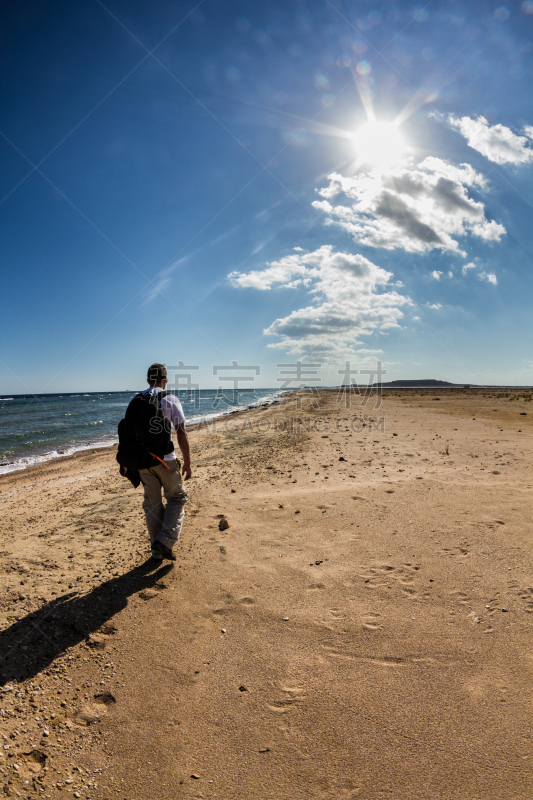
column 432, row 383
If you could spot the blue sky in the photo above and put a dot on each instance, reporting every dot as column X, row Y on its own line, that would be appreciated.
column 265, row 183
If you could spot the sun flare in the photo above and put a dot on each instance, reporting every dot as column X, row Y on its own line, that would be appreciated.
column 379, row 143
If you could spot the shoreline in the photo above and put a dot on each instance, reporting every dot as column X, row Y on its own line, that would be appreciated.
column 7, row 468
column 29, row 461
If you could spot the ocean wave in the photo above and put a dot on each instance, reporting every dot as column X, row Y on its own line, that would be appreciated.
column 7, row 398
column 263, row 401
column 62, row 452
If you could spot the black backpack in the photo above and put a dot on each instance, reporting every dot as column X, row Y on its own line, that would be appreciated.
column 144, row 435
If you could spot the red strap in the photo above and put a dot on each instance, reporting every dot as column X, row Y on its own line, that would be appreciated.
column 159, row 459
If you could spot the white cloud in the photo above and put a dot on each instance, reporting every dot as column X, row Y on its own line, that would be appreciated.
column 468, row 266
column 414, row 208
column 450, row 273
column 436, row 274
column 416, row 319
column 490, row 277
column 496, row 142
column 482, row 275
column 348, row 302
column 288, row 273
column 434, row 305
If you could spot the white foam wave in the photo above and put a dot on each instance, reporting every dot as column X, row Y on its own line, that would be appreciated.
column 31, row 461
column 263, row 401
column 68, row 450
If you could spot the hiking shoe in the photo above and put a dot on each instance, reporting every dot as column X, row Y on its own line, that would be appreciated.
column 164, row 550
column 156, row 555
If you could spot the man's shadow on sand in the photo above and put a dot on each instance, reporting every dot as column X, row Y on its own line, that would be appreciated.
column 31, row 644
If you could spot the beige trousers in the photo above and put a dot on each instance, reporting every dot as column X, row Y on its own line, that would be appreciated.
column 164, row 521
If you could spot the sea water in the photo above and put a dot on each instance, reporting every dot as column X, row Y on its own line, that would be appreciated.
column 37, row 427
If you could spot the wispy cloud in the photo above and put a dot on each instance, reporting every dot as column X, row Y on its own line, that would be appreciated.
column 490, row 277
column 496, row 142
column 155, row 290
column 481, row 274
column 164, row 279
column 414, row 208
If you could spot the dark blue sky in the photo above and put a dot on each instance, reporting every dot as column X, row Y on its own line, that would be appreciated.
column 149, row 151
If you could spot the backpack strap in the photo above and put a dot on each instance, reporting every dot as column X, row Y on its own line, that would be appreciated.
column 154, row 398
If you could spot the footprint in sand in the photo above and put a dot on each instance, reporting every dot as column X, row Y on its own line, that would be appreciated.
column 454, row 552
column 493, row 605
column 33, row 763
column 379, row 576
column 341, row 788
column 371, row 621
column 89, row 713
column 108, row 629
column 290, row 696
column 148, row 594
column 460, row 597
column 527, row 596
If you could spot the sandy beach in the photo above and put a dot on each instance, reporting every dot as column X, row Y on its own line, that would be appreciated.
column 361, row 629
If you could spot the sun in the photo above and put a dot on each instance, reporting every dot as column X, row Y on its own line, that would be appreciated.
column 379, row 143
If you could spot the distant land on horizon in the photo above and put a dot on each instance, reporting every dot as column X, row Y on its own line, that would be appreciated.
column 432, row 383
column 429, row 383
column 424, row 383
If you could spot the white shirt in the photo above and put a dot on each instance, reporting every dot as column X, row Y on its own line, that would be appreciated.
column 172, row 411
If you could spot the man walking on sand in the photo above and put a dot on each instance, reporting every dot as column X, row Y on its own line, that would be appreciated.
column 164, row 521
